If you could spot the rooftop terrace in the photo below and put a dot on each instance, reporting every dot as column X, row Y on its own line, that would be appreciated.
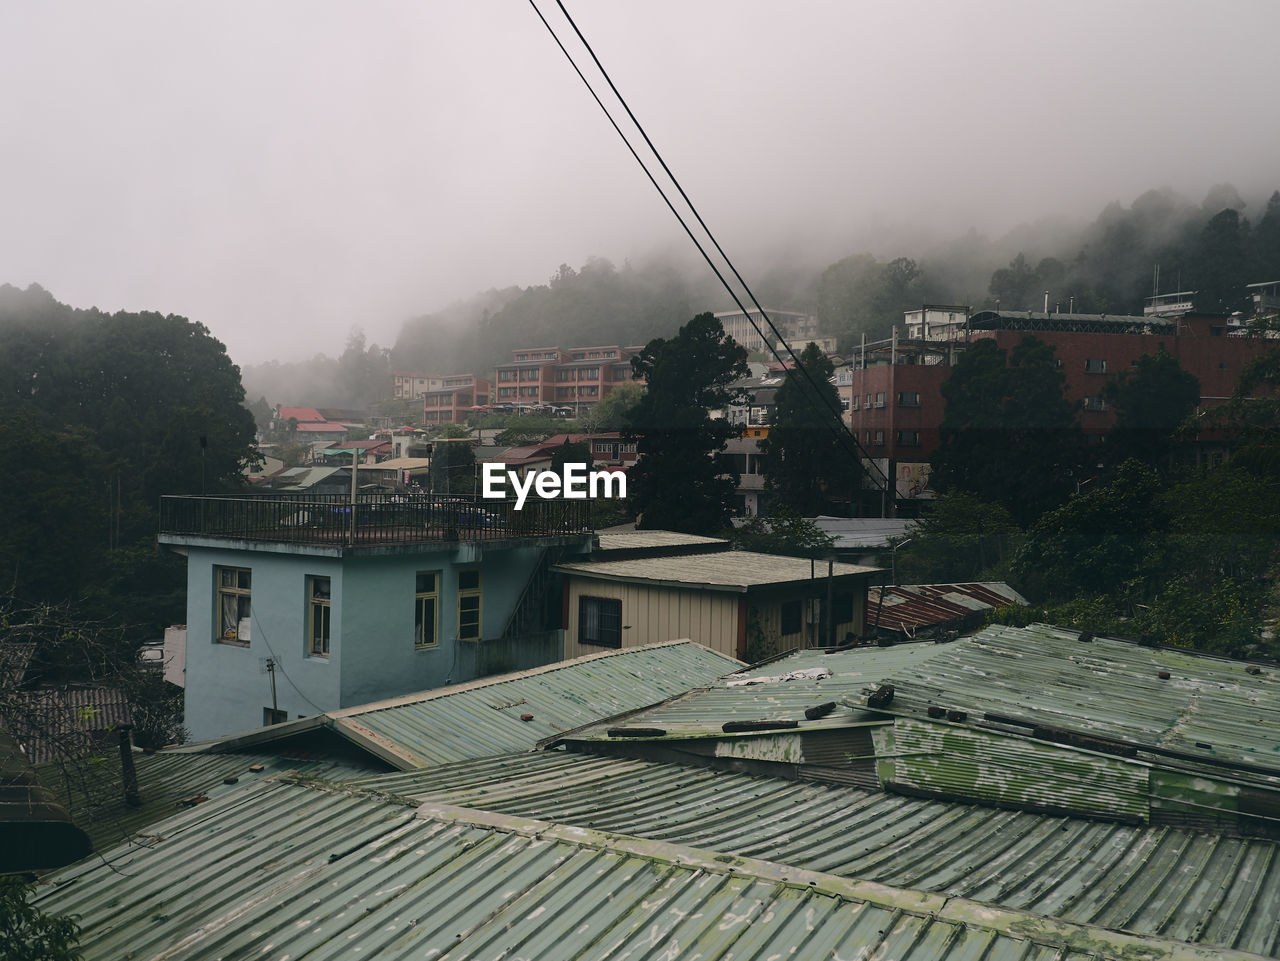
column 378, row 520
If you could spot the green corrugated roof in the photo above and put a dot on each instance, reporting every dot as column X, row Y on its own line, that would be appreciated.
column 483, row 718
column 727, row 699
column 1171, row 882
column 290, row 871
column 1209, row 708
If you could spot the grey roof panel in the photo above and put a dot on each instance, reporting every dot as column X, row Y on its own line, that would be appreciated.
column 289, row 871
column 1171, row 882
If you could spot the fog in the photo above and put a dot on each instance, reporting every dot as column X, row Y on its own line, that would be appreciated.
column 282, row 172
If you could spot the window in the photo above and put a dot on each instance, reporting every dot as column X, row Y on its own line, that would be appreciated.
column 469, row 605
column 600, row 621
column 909, row 438
column 868, row 403
column 318, row 616
column 233, row 604
column 842, row 608
column 1095, row 366
column 908, row 398
column 880, row 398
column 854, row 404
column 271, row 716
column 790, row 617
column 877, row 439
column 1095, row 403
column 426, row 609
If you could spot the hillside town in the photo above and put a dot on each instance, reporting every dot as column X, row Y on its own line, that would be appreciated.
column 505, row 482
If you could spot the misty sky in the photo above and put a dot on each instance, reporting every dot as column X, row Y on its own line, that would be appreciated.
column 283, row 171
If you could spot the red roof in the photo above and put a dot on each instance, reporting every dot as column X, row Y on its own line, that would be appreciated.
column 301, row 414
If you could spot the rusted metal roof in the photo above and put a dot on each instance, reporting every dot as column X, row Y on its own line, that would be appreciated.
column 1172, row 882
column 300, row 872
column 907, row 608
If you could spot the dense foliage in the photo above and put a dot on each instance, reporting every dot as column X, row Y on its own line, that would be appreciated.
column 100, row 415
column 1008, row 419
column 808, row 458
column 683, row 481
column 27, row 933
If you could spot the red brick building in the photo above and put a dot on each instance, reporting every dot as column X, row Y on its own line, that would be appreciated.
column 453, row 401
column 895, row 404
column 576, row 378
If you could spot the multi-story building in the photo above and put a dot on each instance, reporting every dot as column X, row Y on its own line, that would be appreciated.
column 298, row 605
column 894, row 395
column 745, row 327
column 575, row 379
column 454, row 399
column 411, row 386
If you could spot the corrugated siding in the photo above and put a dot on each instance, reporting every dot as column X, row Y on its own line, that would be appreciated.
column 977, row 765
column 654, row 614
column 485, row 719
column 1176, row 883
column 294, row 873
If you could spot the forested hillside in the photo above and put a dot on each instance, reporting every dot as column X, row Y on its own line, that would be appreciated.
column 1215, row 246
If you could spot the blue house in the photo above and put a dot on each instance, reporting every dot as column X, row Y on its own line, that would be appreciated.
column 304, row 604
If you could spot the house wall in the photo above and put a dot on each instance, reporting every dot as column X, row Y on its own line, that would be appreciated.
column 371, row 651
column 718, row 619
column 652, row 614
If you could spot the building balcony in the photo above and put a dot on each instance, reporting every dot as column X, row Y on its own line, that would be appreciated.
column 379, row 521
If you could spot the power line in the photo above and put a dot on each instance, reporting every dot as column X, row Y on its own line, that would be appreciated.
column 841, row 431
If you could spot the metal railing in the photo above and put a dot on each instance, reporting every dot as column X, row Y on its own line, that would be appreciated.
column 379, row 519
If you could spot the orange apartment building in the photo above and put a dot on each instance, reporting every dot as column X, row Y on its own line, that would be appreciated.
column 576, row 378
column 454, row 399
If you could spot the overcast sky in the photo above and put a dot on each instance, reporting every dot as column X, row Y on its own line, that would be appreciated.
column 284, row 171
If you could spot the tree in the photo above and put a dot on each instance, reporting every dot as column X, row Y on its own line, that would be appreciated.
column 961, row 538
column 804, row 459
column 1151, row 401
column 27, row 933
column 615, row 408
column 1009, row 433
column 682, row 480
column 146, row 405
column 1222, row 264
column 567, row 453
column 783, row 532
column 1096, row 542
column 453, row 461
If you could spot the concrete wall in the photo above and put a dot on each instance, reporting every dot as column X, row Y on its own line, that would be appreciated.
column 371, row 654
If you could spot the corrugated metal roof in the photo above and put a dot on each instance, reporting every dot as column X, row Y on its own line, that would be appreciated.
column 706, row 709
column 167, row 780
column 632, row 540
column 483, row 718
column 301, row 873
column 724, row 570
column 907, row 607
column 1208, row 708
column 1170, row 882
column 855, row 532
